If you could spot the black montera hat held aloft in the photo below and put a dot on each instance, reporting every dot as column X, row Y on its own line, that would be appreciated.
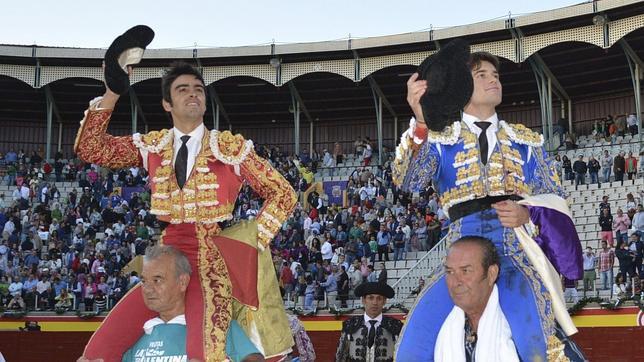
column 449, row 83
column 125, row 50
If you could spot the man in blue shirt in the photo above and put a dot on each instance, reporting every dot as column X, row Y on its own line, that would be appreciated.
column 330, row 286
column 383, row 242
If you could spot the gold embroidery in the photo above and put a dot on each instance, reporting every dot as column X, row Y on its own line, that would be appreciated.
column 228, row 148
column 217, row 292
column 448, row 136
column 555, row 350
column 542, row 298
column 522, row 134
column 94, row 145
column 404, row 156
column 280, row 199
column 197, row 201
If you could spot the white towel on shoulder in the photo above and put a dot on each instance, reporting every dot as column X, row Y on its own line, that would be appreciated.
column 494, row 336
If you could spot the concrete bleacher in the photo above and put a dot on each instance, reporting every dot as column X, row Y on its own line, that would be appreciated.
column 584, row 207
column 343, row 171
column 588, row 145
column 395, row 270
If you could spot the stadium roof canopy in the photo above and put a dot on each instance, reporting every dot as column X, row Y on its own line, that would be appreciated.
column 582, row 49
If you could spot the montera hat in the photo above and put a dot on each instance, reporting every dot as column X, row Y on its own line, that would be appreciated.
column 125, row 50
column 449, row 83
column 374, row 288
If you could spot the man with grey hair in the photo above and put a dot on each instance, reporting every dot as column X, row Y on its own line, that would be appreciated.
column 164, row 282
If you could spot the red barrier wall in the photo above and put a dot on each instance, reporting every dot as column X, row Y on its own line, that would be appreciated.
column 615, row 344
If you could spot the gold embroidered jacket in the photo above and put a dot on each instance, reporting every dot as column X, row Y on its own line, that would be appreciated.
column 451, row 160
column 224, row 163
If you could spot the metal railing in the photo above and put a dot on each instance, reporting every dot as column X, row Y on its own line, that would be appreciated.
column 409, row 282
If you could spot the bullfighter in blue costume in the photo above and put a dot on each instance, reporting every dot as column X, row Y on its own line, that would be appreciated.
column 494, row 180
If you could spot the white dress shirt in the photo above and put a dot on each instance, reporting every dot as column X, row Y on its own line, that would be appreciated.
column 193, row 144
column 378, row 320
column 490, row 132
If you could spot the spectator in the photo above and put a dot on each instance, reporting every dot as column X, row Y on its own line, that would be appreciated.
column 619, row 166
column 631, row 166
column 620, row 125
column 355, row 275
column 337, row 153
column 621, row 223
column 593, row 170
column 626, row 259
column 604, row 205
column 309, row 293
column 44, row 292
column 15, row 286
column 89, row 293
column 567, row 167
column 286, row 280
column 367, row 152
column 570, row 141
column 64, row 300
column 29, row 290
column 384, row 238
column 382, row 275
column 373, row 276
column 17, row 303
column 638, row 220
column 589, row 270
column 330, row 286
column 631, row 205
column 637, row 248
column 399, row 243
column 343, row 286
column 570, row 290
column 580, row 169
column 632, row 123
column 619, row 287
column 327, row 250
column 606, row 165
column 606, row 264
column 561, row 128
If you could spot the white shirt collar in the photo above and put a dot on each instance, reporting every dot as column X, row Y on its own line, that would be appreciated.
column 149, row 325
column 196, row 134
column 367, row 319
column 470, row 119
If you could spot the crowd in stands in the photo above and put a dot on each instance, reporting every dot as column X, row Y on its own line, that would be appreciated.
column 621, row 239
column 620, row 165
column 327, row 249
column 609, row 128
column 66, row 249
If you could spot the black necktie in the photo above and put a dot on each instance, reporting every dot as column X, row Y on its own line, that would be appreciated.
column 181, row 164
column 371, row 337
column 483, row 139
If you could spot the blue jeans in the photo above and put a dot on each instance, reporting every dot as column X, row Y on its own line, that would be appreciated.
column 606, row 174
column 580, row 178
column 593, row 178
column 308, row 301
column 621, row 238
column 398, row 252
column 607, row 278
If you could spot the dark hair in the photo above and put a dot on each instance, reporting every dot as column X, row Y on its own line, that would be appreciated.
column 176, row 70
column 490, row 254
column 477, row 58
